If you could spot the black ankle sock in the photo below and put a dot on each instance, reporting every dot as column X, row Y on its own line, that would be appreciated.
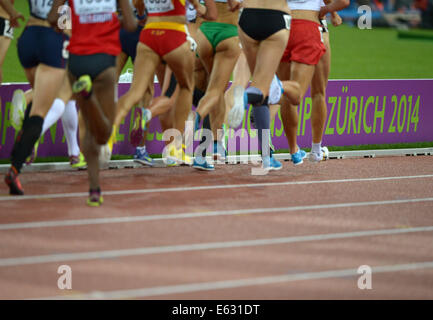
column 98, row 189
column 26, row 140
column 27, row 113
column 262, row 122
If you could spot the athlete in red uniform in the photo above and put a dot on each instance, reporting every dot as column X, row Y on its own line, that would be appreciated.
column 164, row 38
column 93, row 48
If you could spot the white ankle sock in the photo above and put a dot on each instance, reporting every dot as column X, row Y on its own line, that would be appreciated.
column 316, row 147
column 70, row 128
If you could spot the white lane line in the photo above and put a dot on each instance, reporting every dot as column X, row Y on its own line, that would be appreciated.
column 190, row 215
column 197, row 188
column 239, row 283
column 111, row 254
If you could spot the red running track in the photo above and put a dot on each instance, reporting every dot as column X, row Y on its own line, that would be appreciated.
column 177, row 233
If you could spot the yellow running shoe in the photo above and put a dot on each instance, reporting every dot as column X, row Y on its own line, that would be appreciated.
column 78, row 161
column 177, row 156
column 95, row 198
column 83, row 86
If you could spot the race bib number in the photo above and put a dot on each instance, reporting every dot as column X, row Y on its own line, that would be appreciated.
column 159, row 6
column 40, row 8
column 84, row 7
column 8, row 30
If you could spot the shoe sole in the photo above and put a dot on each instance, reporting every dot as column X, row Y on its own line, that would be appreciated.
column 95, row 204
column 237, row 113
column 144, row 162
column 202, row 168
column 313, row 159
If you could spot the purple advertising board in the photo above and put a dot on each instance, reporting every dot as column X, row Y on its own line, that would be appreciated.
column 359, row 112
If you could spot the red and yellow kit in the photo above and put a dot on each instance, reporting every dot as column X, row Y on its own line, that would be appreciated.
column 164, row 36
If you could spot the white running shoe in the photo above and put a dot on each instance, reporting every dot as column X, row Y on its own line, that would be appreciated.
column 127, row 76
column 236, row 114
column 16, row 114
column 275, row 91
column 325, row 152
column 315, row 157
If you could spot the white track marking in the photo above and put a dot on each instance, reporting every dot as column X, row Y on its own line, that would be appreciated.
column 240, row 283
column 110, row 254
column 197, row 188
column 190, row 215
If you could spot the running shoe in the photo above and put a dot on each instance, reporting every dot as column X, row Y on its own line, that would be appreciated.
column 14, row 184
column 127, row 76
column 219, row 152
column 270, row 163
column 236, row 114
column 95, row 198
column 141, row 156
column 83, row 86
column 16, row 114
column 298, row 157
column 178, row 155
column 315, row 157
column 170, row 163
column 325, row 152
column 78, row 162
column 200, row 163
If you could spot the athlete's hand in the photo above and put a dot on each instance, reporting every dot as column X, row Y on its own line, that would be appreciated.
column 139, row 5
column 336, row 19
column 323, row 12
column 234, row 5
column 14, row 20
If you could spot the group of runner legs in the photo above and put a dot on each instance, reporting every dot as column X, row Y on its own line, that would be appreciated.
column 193, row 49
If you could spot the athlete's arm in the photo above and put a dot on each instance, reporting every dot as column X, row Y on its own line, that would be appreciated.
column 208, row 11
column 53, row 16
column 335, row 17
column 14, row 15
column 234, row 4
column 129, row 22
column 335, row 5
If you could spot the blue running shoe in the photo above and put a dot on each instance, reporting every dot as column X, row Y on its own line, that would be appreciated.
column 201, row 164
column 270, row 163
column 298, row 157
column 141, row 156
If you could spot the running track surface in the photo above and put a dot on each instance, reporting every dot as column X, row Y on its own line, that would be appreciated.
column 177, row 233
